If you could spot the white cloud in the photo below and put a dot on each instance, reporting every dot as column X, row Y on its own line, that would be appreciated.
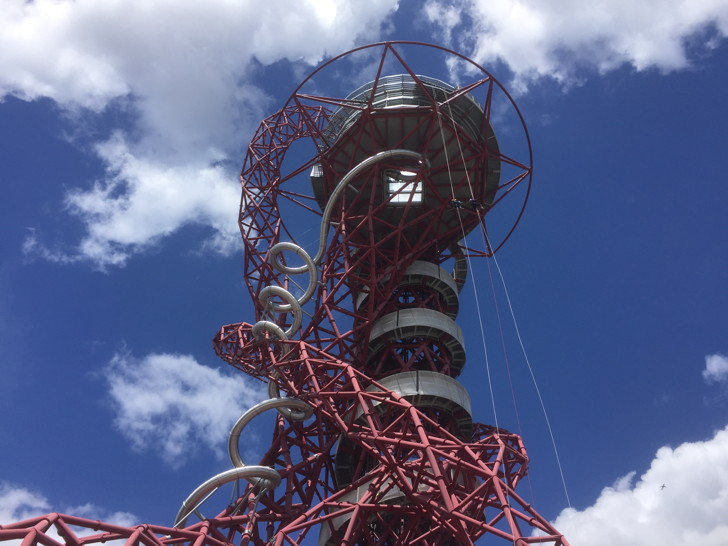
column 716, row 369
column 141, row 201
column 173, row 405
column 94, row 512
column 559, row 38
column 690, row 510
column 125, row 212
column 19, row 503
column 447, row 16
column 182, row 73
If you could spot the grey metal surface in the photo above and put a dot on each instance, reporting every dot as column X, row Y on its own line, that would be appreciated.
column 263, row 476
column 435, row 277
column 460, row 270
column 401, row 91
column 342, row 184
column 420, row 323
column 423, row 389
column 308, row 266
column 266, row 299
column 270, row 327
column 407, row 118
column 298, row 410
column 427, row 274
column 393, row 496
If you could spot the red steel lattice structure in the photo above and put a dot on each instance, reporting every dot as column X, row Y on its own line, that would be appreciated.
column 374, row 442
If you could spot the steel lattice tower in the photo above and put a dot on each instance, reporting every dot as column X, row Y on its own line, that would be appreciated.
column 374, row 443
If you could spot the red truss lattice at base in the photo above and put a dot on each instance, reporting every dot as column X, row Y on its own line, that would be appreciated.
column 424, row 485
column 374, row 443
column 56, row 529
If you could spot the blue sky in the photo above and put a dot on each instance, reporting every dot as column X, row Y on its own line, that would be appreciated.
column 122, row 130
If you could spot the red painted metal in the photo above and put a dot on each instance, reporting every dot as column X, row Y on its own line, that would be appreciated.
column 372, row 465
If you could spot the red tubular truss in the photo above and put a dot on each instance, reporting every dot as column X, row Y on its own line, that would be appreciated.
column 375, row 442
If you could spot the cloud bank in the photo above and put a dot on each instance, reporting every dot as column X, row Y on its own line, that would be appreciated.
column 561, row 39
column 689, row 510
column 174, row 406
column 171, row 89
column 181, row 76
column 19, row 503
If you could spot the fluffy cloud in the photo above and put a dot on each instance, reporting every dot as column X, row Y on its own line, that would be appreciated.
column 179, row 74
column 170, row 87
column 557, row 39
column 716, row 369
column 94, row 512
column 173, row 405
column 19, row 503
column 690, row 510
column 143, row 200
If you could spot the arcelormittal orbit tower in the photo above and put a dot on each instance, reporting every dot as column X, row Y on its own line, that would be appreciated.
column 357, row 215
